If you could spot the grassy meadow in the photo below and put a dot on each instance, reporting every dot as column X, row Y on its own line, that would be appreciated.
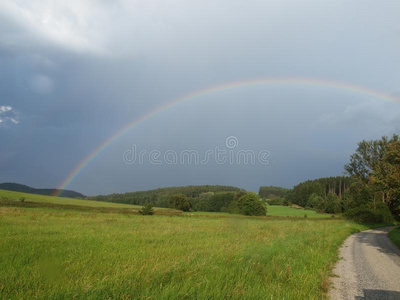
column 285, row 211
column 60, row 200
column 49, row 253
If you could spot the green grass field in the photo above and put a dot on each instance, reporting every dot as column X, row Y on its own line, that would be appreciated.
column 273, row 211
column 285, row 211
column 60, row 200
column 51, row 253
column 394, row 235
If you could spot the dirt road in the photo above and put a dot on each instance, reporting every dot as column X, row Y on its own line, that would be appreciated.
column 369, row 268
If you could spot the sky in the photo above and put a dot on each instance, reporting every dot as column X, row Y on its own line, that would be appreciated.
column 74, row 73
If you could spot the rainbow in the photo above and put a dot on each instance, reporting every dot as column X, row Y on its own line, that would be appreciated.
column 226, row 86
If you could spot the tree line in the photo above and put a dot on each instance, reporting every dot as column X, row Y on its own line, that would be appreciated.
column 370, row 192
column 209, row 198
column 241, row 202
column 160, row 197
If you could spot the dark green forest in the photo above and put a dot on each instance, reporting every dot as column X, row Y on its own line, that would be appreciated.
column 160, row 197
column 370, row 192
column 270, row 192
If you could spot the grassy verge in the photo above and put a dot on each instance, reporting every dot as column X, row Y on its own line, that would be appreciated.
column 47, row 253
column 394, row 235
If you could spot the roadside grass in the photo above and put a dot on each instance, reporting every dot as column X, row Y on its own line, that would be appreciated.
column 394, row 235
column 54, row 254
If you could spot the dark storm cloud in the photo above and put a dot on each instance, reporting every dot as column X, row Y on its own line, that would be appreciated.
column 75, row 72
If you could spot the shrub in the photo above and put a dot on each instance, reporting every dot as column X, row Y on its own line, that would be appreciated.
column 22, row 199
column 147, row 209
column 378, row 214
column 363, row 215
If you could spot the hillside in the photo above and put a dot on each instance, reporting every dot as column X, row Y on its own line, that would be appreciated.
column 16, row 187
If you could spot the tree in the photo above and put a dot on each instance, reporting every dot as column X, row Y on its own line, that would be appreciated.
column 332, row 204
column 375, row 165
column 266, row 191
column 316, row 202
column 368, row 158
column 250, row 205
column 221, row 200
column 387, row 177
column 179, row 201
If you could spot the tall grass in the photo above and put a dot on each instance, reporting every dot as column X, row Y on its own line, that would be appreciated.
column 53, row 254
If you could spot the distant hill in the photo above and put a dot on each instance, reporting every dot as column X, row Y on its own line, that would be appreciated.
column 159, row 196
column 16, row 187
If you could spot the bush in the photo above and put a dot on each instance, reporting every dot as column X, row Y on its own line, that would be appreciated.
column 147, row 209
column 249, row 205
column 179, row 201
column 22, row 199
column 379, row 214
column 363, row 215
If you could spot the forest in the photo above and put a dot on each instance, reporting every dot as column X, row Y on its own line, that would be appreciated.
column 370, row 192
column 160, row 197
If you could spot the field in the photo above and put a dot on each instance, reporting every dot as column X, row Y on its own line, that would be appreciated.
column 285, row 211
column 67, row 253
column 60, row 200
column 274, row 211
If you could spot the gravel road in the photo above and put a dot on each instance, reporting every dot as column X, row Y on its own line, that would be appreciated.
column 369, row 268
